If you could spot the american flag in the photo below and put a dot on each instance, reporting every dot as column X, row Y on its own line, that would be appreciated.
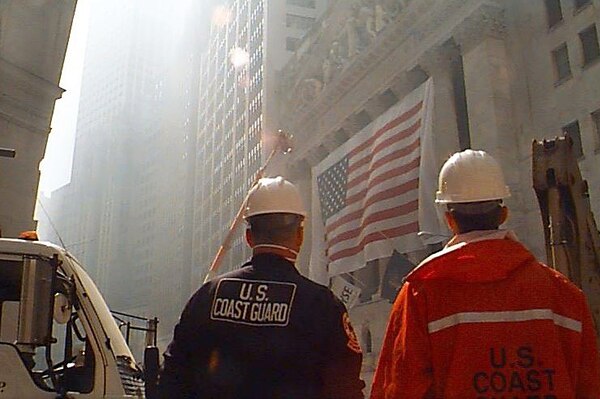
column 368, row 189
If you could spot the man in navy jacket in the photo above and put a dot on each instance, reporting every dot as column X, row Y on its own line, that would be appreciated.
column 265, row 331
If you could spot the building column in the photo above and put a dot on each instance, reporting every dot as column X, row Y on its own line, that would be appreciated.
column 439, row 63
column 301, row 175
column 488, row 91
column 488, row 96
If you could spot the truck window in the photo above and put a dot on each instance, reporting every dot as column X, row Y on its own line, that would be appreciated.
column 70, row 364
column 72, row 358
column 9, row 320
column 10, row 293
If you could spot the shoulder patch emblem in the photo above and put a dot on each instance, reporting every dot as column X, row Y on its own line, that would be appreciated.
column 352, row 340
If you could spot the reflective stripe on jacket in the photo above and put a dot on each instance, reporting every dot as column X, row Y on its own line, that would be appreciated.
column 486, row 320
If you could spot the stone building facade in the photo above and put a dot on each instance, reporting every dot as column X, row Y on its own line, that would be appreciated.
column 504, row 73
column 33, row 43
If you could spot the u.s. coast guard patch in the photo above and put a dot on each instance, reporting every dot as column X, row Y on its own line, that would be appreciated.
column 253, row 302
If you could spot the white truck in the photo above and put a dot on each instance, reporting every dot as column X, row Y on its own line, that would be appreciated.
column 58, row 338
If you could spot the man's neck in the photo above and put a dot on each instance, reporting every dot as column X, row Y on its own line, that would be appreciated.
column 275, row 249
column 480, row 235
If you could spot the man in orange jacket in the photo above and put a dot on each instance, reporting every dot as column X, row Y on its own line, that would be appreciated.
column 483, row 318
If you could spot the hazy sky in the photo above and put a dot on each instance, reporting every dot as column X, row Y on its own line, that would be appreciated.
column 56, row 165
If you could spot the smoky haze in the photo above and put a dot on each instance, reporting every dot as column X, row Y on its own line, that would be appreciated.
column 126, row 212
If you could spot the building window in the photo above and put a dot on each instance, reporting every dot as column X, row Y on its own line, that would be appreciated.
column 292, row 43
column 572, row 129
column 596, row 121
column 589, row 44
column 298, row 21
column 579, row 4
column 554, row 12
column 363, row 119
column 388, row 98
column 302, row 3
column 562, row 65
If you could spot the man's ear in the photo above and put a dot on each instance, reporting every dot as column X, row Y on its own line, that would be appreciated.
column 249, row 238
column 299, row 236
column 503, row 215
column 451, row 222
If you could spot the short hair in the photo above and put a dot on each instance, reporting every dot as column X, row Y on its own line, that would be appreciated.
column 483, row 215
column 274, row 228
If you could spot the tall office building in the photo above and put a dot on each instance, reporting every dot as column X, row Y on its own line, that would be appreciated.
column 250, row 41
column 128, row 188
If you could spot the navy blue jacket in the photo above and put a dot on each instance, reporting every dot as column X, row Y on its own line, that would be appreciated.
column 263, row 332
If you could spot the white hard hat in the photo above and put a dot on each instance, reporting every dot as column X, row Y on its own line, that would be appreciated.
column 274, row 195
column 471, row 176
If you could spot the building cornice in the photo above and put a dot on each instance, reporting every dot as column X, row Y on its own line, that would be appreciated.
column 318, row 105
column 26, row 99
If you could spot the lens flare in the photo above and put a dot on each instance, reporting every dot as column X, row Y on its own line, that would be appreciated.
column 239, row 57
column 221, row 16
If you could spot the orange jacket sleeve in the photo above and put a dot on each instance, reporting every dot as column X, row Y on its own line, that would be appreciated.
column 404, row 369
column 588, row 384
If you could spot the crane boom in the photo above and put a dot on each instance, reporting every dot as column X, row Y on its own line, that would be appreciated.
column 571, row 235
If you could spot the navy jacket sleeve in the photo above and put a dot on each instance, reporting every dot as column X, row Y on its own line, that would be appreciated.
column 179, row 378
column 341, row 372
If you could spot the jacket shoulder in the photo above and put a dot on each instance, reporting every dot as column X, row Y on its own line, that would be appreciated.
column 238, row 273
column 322, row 293
column 208, row 288
column 480, row 261
column 559, row 280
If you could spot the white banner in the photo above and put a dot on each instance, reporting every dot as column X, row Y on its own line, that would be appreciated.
column 347, row 292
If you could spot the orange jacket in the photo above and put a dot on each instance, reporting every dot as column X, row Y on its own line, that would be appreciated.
column 485, row 320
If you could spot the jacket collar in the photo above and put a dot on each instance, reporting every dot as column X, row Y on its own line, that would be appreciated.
column 480, row 235
column 279, row 250
column 270, row 260
column 479, row 257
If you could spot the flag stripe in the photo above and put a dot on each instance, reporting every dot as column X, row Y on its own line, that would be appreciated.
column 390, row 125
column 380, row 196
column 385, row 204
column 373, row 218
column 394, row 172
column 403, row 139
column 376, row 236
column 376, row 227
column 386, row 144
column 393, row 164
column 385, row 161
column 382, row 224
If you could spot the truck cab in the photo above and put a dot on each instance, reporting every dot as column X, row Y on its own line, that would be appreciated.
column 57, row 335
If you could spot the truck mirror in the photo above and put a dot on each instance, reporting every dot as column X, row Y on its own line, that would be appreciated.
column 62, row 308
column 151, row 369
